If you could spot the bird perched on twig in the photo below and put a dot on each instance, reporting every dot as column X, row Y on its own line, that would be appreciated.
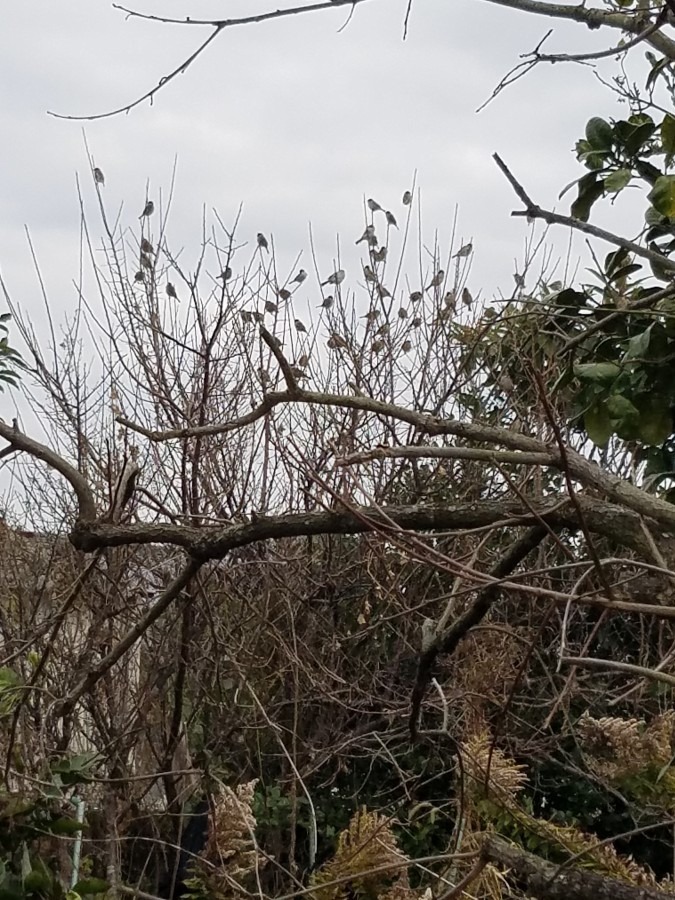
column 262, row 241
column 283, row 294
column 327, row 303
column 226, row 274
column 370, row 275
column 336, row 278
column 171, row 291
column 437, row 280
column 148, row 210
column 146, row 246
column 464, row 251
column 407, row 198
column 300, row 325
column 390, row 219
column 300, row 277
column 99, row 177
column 367, row 234
column 374, row 206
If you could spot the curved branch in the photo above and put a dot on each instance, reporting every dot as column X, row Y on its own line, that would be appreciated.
column 218, row 26
column 19, row 441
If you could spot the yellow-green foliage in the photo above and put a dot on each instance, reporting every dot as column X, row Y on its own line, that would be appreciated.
column 367, row 844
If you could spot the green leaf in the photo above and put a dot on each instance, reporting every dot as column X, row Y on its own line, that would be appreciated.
column 622, row 410
column 634, row 133
column 590, row 189
column 599, row 133
column 662, row 195
column 656, row 423
column 598, row 425
column 65, row 825
column 617, row 181
column 638, row 345
column 91, row 886
column 668, row 134
column 599, row 373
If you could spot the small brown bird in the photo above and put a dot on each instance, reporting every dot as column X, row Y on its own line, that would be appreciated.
column 336, row 278
column 146, row 262
column 271, row 307
column 327, row 303
column 171, row 291
column 416, row 296
column 371, row 315
column 403, row 313
column 283, row 294
column 464, row 251
column 374, row 206
column 300, row 326
column 302, row 360
column 99, row 177
column 467, row 299
column 146, row 246
column 437, row 280
column 262, row 241
column 139, row 276
column 300, row 277
column 383, row 292
column 377, row 347
column 450, row 300
column 380, row 255
column 406, row 346
column 148, row 210
column 226, row 274
column 416, row 322
column 336, row 341
column 370, row 275
column 390, row 219
column 368, row 233
column 407, row 198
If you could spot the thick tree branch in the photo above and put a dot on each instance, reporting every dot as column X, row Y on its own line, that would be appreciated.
column 548, row 882
column 19, row 441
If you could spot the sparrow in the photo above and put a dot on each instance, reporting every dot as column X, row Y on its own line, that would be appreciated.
column 148, row 210
column 271, row 307
column 416, row 322
column 283, row 294
column 300, row 277
column 171, row 291
column 380, row 255
column 139, row 276
column 377, row 347
column 383, row 292
column 407, row 198
column 467, row 299
column 370, row 275
column 146, row 246
column 327, row 303
column 146, row 262
column 226, row 274
column 437, row 280
column 464, row 251
column 450, row 300
column 299, row 325
column 403, row 313
column 368, row 233
column 390, row 219
column 99, row 177
column 262, row 241
column 373, row 206
column 336, row 341
column 336, row 278
column 406, row 346
column 416, row 296
column 371, row 315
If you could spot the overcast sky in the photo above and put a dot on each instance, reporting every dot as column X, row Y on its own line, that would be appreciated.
column 296, row 119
